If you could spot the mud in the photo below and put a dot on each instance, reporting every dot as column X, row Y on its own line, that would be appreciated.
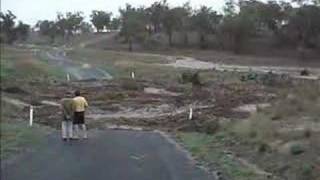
column 149, row 106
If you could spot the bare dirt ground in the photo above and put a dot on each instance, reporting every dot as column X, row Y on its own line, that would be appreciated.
column 111, row 103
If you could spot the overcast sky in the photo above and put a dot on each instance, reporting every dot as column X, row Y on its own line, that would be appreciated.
column 30, row 11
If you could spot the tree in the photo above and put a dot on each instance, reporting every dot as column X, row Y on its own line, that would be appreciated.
column 68, row 24
column 48, row 28
column 133, row 23
column 305, row 24
column 172, row 21
column 86, row 27
column 236, row 30
column 8, row 27
column 205, row 21
column 185, row 13
column 156, row 14
column 22, row 31
column 100, row 19
column 115, row 23
column 229, row 8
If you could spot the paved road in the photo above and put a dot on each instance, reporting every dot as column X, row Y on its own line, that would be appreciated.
column 107, row 155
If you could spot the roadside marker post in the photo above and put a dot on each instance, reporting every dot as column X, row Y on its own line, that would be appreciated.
column 190, row 113
column 68, row 77
column 132, row 75
column 31, row 116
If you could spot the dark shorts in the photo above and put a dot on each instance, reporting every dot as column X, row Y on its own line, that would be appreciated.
column 78, row 118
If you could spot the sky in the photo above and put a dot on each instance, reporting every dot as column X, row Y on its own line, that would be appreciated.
column 30, row 11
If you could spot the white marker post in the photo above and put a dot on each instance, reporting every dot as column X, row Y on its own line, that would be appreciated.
column 68, row 77
column 31, row 116
column 132, row 75
column 190, row 113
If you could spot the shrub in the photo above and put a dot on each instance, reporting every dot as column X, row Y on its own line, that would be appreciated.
column 296, row 149
column 305, row 72
column 258, row 128
column 130, row 84
column 189, row 77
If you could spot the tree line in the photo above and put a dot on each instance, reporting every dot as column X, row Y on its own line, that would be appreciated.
column 10, row 31
column 297, row 26
column 290, row 25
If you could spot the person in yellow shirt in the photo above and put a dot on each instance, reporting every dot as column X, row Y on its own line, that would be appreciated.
column 79, row 105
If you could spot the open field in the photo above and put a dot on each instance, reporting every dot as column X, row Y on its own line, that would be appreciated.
column 246, row 129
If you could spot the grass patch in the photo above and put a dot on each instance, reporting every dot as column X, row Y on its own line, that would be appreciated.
column 16, row 137
column 300, row 101
column 21, row 64
column 209, row 148
column 121, row 64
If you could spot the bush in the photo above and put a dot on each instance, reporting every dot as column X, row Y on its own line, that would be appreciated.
column 258, row 128
column 305, row 72
column 130, row 84
column 296, row 149
column 189, row 77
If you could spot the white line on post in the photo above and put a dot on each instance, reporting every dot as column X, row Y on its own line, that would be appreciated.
column 31, row 116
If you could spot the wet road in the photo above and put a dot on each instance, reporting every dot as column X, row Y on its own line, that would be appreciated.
column 107, row 155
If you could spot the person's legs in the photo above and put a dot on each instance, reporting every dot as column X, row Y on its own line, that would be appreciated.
column 76, row 131
column 76, row 125
column 64, row 130
column 82, row 125
column 70, row 129
column 84, row 131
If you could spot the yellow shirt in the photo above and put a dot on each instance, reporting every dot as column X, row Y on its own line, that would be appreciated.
column 79, row 104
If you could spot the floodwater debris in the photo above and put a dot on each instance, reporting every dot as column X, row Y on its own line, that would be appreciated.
column 251, row 108
column 152, row 90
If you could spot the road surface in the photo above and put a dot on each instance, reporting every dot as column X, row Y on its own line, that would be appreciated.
column 76, row 71
column 107, row 155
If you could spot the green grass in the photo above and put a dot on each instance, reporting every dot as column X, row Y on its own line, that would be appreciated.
column 21, row 64
column 18, row 136
column 121, row 64
column 209, row 148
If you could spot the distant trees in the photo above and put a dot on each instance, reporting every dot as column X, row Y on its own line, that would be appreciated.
column 101, row 19
column 304, row 23
column 22, row 31
column 205, row 21
column 133, row 21
column 66, row 25
column 115, row 23
column 9, row 31
column 48, row 28
column 8, row 27
column 172, row 21
column 70, row 23
column 156, row 13
column 282, row 22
